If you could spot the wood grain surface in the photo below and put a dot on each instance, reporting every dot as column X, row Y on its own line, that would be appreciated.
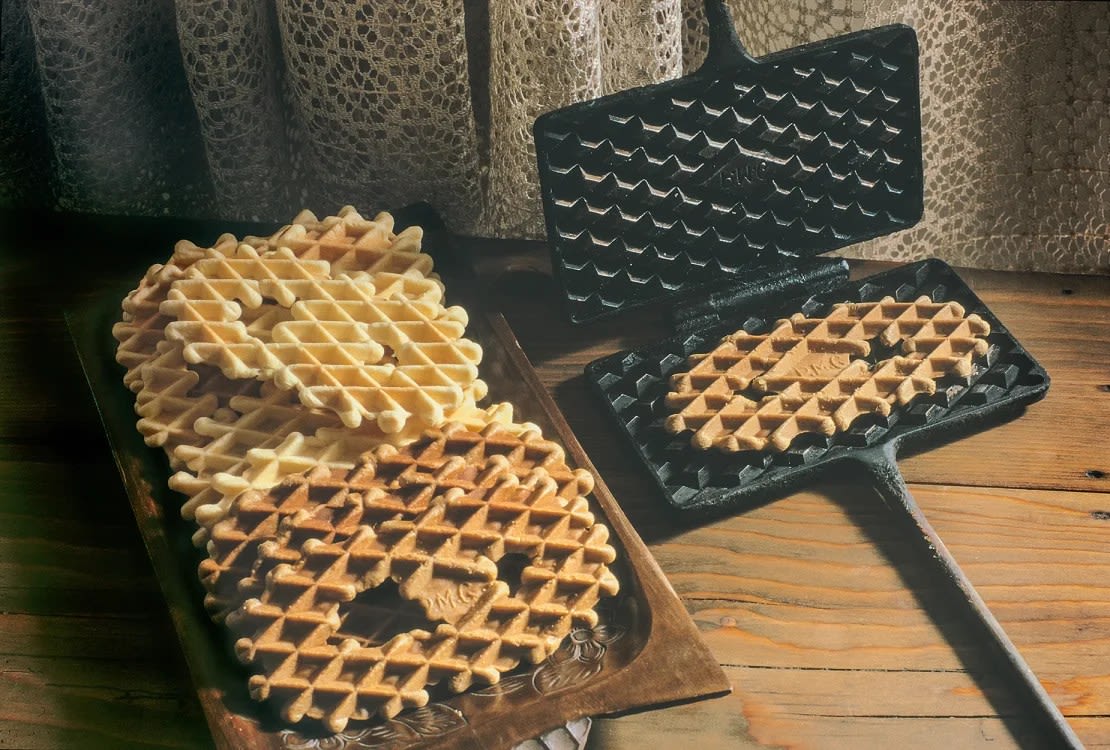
column 833, row 633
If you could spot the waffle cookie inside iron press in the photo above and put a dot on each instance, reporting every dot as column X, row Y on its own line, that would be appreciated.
column 817, row 375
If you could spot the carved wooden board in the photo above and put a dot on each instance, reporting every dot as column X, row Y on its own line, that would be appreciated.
column 645, row 651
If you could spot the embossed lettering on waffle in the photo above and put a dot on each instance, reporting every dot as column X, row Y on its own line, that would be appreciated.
column 811, row 376
column 445, row 558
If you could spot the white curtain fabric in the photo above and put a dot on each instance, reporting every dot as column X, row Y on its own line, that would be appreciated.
column 252, row 109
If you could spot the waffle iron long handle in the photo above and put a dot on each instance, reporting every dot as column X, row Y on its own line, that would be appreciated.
column 725, row 47
column 890, row 485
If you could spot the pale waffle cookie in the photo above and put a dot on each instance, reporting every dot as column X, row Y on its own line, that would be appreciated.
column 336, row 341
column 350, row 243
column 808, row 375
column 257, row 422
column 173, row 395
column 472, row 451
column 324, row 564
column 428, row 370
column 143, row 325
column 347, row 242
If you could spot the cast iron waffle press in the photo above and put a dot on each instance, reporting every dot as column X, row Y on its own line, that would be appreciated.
column 747, row 170
column 633, row 385
column 743, row 167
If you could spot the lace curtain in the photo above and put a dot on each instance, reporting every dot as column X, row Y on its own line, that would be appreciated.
column 252, row 109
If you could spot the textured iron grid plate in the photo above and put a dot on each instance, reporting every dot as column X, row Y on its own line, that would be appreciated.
column 633, row 386
column 653, row 192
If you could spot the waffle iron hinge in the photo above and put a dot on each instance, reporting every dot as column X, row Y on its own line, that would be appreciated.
column 806, row 277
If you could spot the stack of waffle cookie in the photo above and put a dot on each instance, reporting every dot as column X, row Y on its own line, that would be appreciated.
column 370, row 529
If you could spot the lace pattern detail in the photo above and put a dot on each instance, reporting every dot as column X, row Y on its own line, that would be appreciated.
column 381, row 91
column 247, row 110
column 24, row 149
column 233, row 64
column 121, row 122
column 1015, row 134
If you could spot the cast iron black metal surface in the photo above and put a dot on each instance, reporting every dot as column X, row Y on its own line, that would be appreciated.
column 745, row 164
column 729, row 181
column 812, row 275
column 633, row 385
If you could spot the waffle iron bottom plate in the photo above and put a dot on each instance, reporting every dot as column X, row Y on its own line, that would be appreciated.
column 633, row 385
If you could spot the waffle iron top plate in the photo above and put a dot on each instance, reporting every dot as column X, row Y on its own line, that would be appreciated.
column 745, row 164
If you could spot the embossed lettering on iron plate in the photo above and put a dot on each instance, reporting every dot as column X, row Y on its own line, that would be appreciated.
column 742, row 171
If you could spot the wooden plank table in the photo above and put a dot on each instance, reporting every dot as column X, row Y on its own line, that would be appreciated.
column 835, row 635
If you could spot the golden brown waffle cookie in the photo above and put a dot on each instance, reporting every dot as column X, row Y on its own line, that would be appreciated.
column 336, row 341
column 445, row 558
column 756, row 392
column 461, row 456
column 472, row 452
column 258, row 450
column 253, row 518
column 347, row 242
